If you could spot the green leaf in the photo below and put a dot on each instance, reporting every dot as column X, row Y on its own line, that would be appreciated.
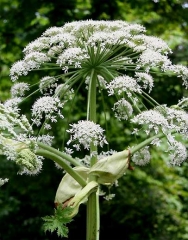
column 58, row 221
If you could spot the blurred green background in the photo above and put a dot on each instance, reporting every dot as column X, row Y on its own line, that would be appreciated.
column 151, row 202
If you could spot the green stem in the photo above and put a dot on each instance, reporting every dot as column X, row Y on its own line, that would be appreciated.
column 148, row 141
column 63, row 164
column 93, row 214
column 93, row 217
column 60, row 154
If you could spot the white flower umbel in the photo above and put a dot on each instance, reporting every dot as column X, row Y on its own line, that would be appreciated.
column 150, row 59
column 182, row 72
column 19, row 89
column 86, row 133
column 178, row 153
column 16, row 142
column 35, row 59
column 13, row 103
column 11, row 122
column 114, row 47
column 178, row 119
column 123, row 84
column 48, row 84
column 142, row 157
column 64, row 40
column 153, row 120
column 50, row 107
column 18, row 69
column 122, row 109
column 72, row 56
column 153, row 43
column 38, row 45
column 145, row 79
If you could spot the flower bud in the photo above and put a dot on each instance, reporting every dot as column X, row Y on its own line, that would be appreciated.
column 109, row 169
column 69, row 187
column 28, row 162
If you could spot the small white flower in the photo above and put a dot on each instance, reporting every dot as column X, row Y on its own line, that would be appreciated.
column 178, row 118
column 178, row 153
column 68, row 151
column 150, row 58
column 109, row 196
column 123, row 84
column 18, row 89
column 54, row 51
column 72, row 56
column 63, row 39
column 123, row 109
column 47, row 83
column 135, row 131
column 46, row 139
column 38, row 45
column 18, row 69
column 13, row 103
column 34, row 60
column 48, row 107
column 142, row 157
column 146, row 80
column 153, row 43
column 182, row 72
column 52, row 31
column 153, row 119
column 86, row 133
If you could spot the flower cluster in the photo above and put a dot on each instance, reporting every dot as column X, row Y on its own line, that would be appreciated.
column 122, row 59
column 145, row 79
column 120, row 54
column 123, row 84
column 16, row 141
column 86, row 133
column 48, row 84
column 29, row 162
column 18, row 89
column 152, row 120
column 142, row 157
column 46, row 107
column 83, row 44
column 178, row 153
column 163, row 119
column 123, row 109
column 169, row 121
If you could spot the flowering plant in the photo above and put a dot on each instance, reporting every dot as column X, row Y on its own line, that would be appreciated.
column 103, row 57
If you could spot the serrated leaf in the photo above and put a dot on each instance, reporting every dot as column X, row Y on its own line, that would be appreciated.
column 58, row 221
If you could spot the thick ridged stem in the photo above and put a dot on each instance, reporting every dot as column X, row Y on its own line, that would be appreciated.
column 93, row 214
